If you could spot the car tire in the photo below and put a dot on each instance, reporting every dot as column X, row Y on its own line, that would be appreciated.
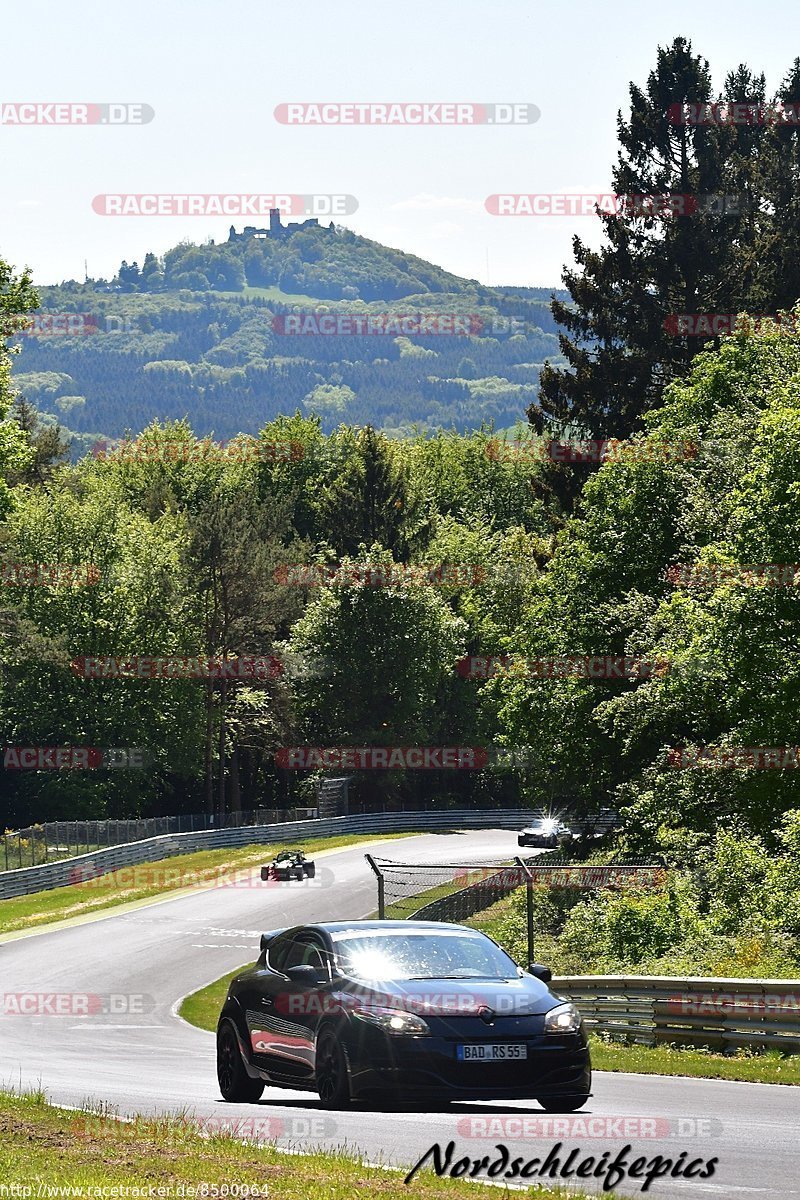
column 332, row 1074
column 235, row 1084
column 310, row 870
column 564, row 1104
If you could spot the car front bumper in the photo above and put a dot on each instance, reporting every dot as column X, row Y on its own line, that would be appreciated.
column 556, row 1067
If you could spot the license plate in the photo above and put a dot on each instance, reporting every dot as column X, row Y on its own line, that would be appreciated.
column 492, row 1052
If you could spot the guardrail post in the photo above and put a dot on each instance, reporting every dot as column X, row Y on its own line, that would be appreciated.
column 379, row 876
column 528, row 909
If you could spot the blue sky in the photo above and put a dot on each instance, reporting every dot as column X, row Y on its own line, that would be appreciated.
column 214, row 73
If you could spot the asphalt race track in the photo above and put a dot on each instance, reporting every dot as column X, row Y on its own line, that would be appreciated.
column 149, row 1061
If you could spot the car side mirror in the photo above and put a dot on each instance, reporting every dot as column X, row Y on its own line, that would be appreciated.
column 540, row 972
column 305, row 974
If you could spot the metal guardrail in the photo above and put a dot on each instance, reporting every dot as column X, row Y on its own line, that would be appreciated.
column 719, row 1013
column 59, row 874
column 55, row 840
column 51, row 841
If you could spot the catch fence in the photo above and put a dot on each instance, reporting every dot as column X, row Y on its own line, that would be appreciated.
column 452, row 892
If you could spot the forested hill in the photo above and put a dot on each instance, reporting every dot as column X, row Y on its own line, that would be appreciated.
column 198, row 334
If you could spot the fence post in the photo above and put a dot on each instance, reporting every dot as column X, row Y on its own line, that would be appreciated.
column 379, row 876
column 528, row 909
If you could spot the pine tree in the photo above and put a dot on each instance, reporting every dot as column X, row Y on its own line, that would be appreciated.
column 50, row 446
column 619, row 351
column 370, row 500
column 778, row 252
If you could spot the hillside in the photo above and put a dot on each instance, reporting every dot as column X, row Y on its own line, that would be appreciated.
column 199, row 333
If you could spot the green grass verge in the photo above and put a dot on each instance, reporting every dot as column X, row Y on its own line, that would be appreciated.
column 746, row 1066
column 43, row 1146
column 153, row 880
column 202, row 1008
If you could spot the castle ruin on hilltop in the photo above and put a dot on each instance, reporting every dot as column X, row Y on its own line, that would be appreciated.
column 276, row 230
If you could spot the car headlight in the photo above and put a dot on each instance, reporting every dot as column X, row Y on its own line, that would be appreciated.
column 394, row 1021
column 564, row 1019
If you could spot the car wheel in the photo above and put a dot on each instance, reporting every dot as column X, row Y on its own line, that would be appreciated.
column 332, row 1072
column 564, row 1104
column 234, row 1082
column 311, row 870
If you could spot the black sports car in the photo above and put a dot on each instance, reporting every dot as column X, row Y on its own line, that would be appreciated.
column 289, row 864
column 401, row 1009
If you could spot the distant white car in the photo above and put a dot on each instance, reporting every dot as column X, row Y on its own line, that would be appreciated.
column 547, row 833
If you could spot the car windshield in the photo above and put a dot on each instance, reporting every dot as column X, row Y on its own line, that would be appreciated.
column 421, row 955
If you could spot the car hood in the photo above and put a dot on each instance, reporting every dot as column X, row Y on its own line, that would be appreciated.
column 527, row 996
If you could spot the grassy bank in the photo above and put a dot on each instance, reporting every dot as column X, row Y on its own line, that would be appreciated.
column 155, row 880
column 43, row 1147
column 745, row 1066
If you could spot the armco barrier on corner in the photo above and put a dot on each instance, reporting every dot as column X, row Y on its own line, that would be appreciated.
column 720, row 1013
